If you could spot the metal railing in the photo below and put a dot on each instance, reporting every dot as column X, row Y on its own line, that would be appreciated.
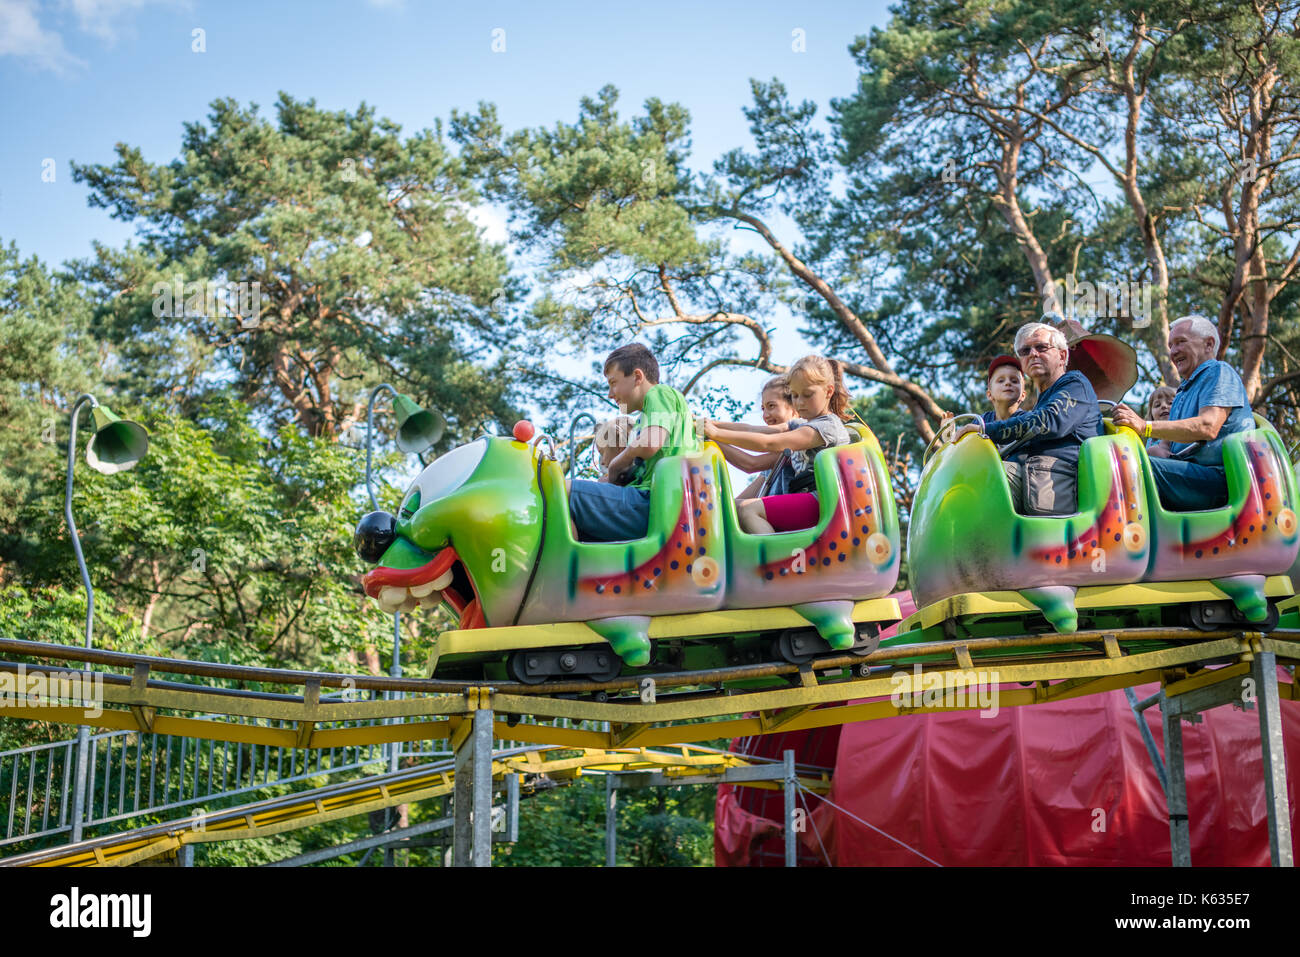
column 133, row 773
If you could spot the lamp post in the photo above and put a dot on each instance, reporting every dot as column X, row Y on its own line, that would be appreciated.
column 417, row 429
column 116, row 446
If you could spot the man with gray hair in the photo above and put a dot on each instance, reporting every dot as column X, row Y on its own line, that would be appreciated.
column 1040, row 448
column 1210, row 404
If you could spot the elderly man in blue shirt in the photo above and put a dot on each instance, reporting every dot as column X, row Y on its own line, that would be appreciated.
column 1040, row 448
column 1210, row 405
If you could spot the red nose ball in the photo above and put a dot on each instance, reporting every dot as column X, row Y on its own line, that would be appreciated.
column 523, row 430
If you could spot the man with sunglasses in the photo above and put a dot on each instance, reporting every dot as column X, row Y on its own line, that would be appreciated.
column 1040, row 448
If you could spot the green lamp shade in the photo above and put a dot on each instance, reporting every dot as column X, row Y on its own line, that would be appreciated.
column 117, row 443
column 417, row 429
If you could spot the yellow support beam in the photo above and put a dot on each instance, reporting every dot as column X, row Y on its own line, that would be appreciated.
column 1204, row 679
column 625, row 734
column 280, row 815
column 1087, row 598
column 664, row 627
column 669, row 721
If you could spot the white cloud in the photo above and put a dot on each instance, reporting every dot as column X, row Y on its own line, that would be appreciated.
column 102, row 17
column 22, row 35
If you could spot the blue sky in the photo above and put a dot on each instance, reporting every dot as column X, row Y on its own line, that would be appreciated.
column 78, row 76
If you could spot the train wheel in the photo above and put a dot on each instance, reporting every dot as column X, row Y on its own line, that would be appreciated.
column 1222, row 615
column 595, row 663
column 867, row 640
column 613, row 666
column 799, row 646
column 523, row 670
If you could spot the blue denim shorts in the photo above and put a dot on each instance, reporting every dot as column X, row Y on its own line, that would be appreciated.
column 1189, row 486
column 608, row 513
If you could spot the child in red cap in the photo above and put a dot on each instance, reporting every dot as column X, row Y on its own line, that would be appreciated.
column 1005, row 388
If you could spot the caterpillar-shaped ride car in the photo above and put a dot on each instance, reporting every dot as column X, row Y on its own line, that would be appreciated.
column 484, row 530
column 979, row 568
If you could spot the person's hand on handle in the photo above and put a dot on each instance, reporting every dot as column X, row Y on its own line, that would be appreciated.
column 1122, row 415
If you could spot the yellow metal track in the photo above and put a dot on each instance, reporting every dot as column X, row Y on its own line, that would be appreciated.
column 703, row 624
column 813, row 702
column 293, row 812
column 1089, row 597
column 1053, row 667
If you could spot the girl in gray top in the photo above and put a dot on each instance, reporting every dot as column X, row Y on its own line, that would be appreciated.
column 776, row 410
column 821, row 405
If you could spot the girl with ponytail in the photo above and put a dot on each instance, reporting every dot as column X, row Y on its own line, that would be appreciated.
column 821, row 404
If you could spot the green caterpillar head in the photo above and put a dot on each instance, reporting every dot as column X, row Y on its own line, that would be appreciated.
column 467, row 535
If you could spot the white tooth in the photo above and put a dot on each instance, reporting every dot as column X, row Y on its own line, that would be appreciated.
column 431, row 601
column 392, row 597
column 409, row 605
column 442, row 581
column 419, row 591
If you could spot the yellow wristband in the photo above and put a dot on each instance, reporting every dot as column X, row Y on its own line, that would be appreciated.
column 1146, row 433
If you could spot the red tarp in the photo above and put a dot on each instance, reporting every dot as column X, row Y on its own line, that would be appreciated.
column 747, row 821
column 1067, row 783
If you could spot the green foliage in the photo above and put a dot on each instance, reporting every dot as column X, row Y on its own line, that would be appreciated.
column 985, row 148
column 47, row 356
column 657, row 827
column 669, row 840
column 57, row 615
column 611, row 210
column 218, row 543
column 597, row 187
column 359, row 240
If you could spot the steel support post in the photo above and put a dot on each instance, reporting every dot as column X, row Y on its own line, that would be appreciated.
column 1149, row 740
column 791, row 784
column 482, row 780
column 462, row 803
column 611, row 820
column 1176, row 794
column 472, row 831
column 512, row 808
column 1264, row 670
column 79, row 783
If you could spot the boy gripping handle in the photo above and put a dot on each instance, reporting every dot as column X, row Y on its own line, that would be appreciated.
column 606, row 512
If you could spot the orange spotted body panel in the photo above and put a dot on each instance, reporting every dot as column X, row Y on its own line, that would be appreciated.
column 684, row 563
column 1261, row 516
column 852, row 536
column 1118, row 531
column 1255, row 534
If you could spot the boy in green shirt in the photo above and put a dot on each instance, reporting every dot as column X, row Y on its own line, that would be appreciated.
column 608, row 512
